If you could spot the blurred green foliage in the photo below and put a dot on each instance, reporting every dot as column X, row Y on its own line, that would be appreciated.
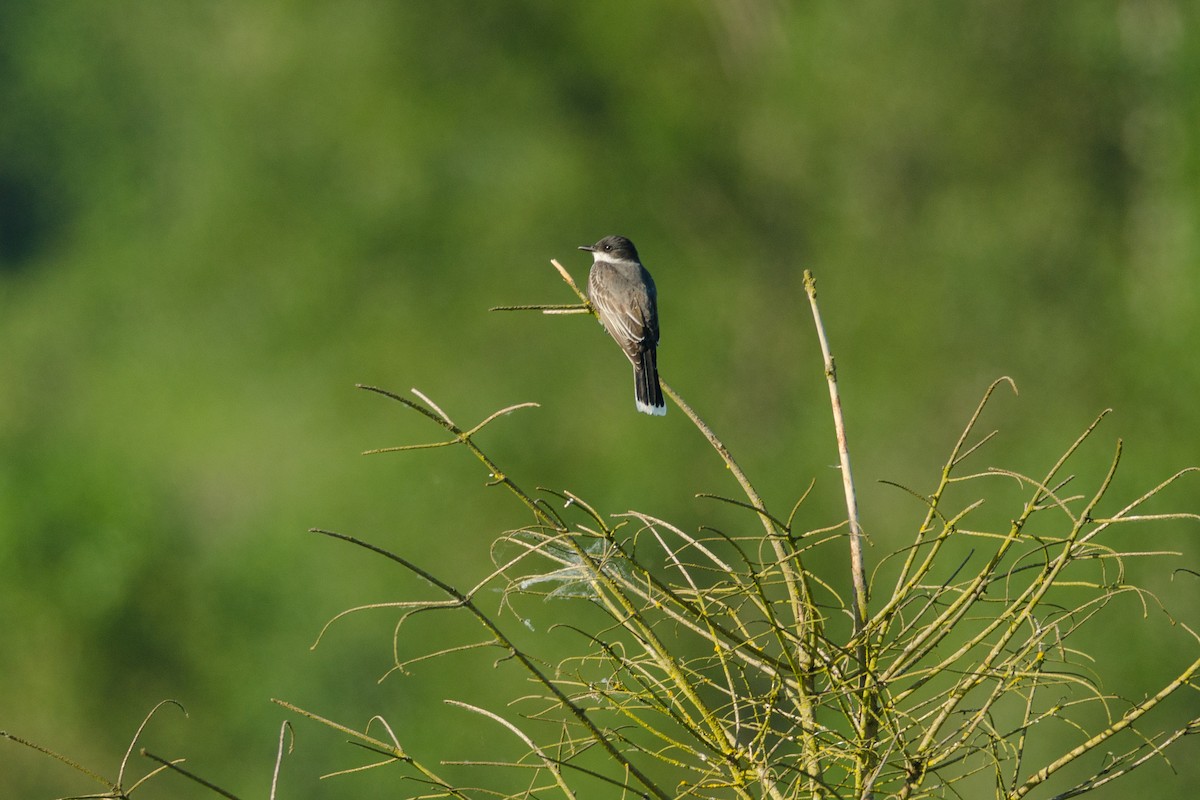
column 216, row 218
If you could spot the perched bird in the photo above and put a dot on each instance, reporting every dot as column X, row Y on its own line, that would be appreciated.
column 623, row 294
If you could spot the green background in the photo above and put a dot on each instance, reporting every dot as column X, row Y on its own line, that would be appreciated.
column 216, row 218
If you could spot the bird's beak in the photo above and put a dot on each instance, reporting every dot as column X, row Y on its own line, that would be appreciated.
column 589, row 247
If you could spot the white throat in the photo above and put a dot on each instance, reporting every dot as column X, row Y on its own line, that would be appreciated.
column 600, row 255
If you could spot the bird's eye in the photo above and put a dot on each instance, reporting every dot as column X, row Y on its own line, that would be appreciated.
column 608, row 247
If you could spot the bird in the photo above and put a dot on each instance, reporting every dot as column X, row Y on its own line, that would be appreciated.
column 626, row 300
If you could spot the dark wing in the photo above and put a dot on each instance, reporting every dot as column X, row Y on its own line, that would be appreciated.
column 627, row 308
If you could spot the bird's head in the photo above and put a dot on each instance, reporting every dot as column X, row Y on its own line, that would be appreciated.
column 612, row 248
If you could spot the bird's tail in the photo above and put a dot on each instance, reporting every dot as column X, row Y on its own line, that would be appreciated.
column 647, row 390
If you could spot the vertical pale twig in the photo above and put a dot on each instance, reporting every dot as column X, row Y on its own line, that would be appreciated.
column 284, row 729
column 839, row 425
column 867, row 723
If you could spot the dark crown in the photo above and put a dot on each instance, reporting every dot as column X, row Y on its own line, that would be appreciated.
column 618, row 247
